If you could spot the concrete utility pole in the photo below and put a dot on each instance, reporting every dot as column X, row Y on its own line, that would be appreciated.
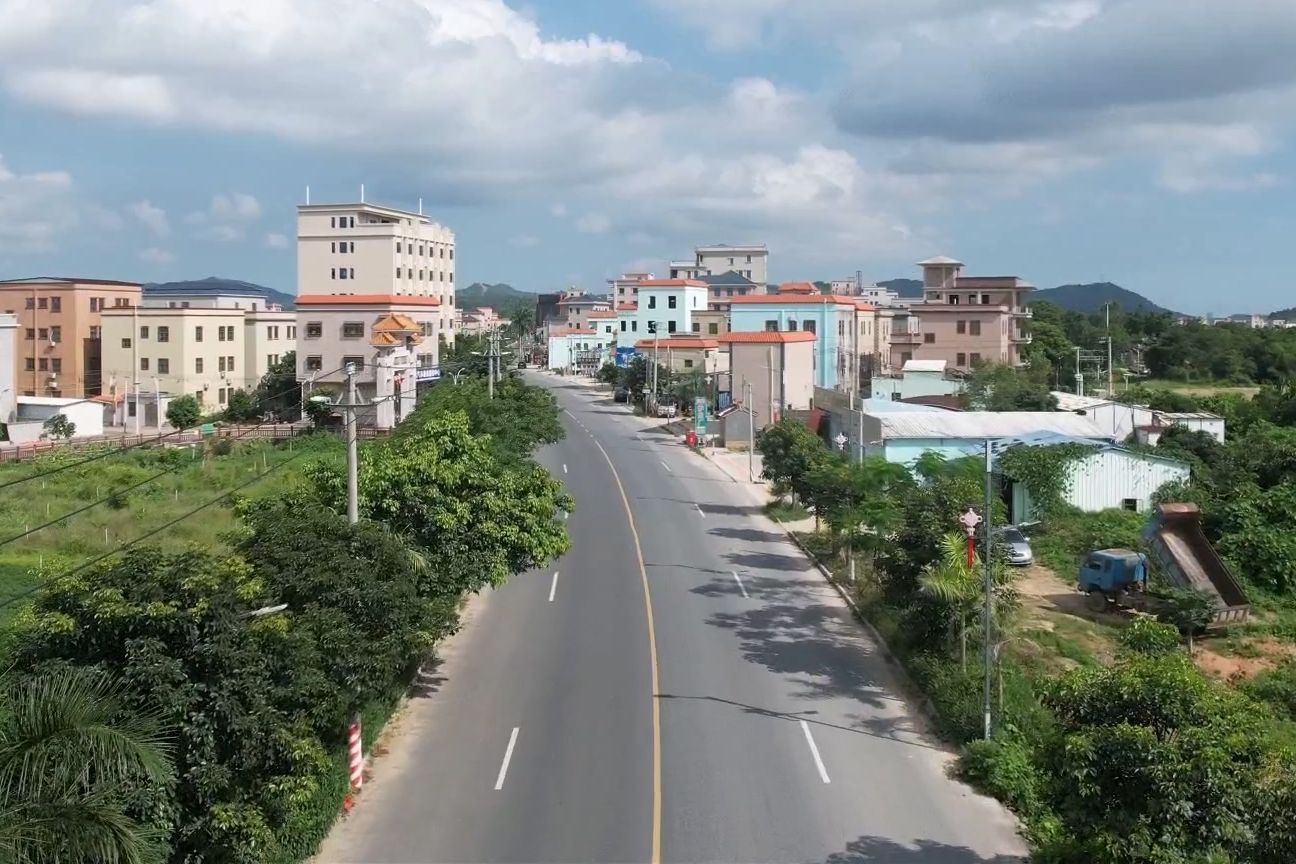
column 135, row 361
column 353, row 461
column 490, row 366
column 769, row 363
column 751, row 433
column 1110, row 394
column 989, row 590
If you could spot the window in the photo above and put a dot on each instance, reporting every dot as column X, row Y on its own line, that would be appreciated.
column 452, row 258
column 271, row 359
column 198, row 394
column 808, row 326
column 960, row 327
column 771, row 326
column 31, row 303
column 356, row 362
column 976, row 358
column 929, row 338
column 220, row 333
column 350, row 221
column 197, row 334
column 220, row 364
column 56, row 333
column 792, row 325
column 953, row 299
column 421, row 248
column 623, row 325
column 198, row 365
column 342, row 272
column 314, row 363
column 126, row 343
column 292, row 332
column 332, row 272
column 652, row 301
column 164, row 334
column 749, row 261
column 634, row 326
column 332, row 221
column 314, row 329
column 30, row 364
column 42, row 333
column 221, row 395
column 164, row 366
column 1130, row 504
column 332, row 247
column 670, row 326
column 671, row 301
column 94, row 304
column 56, row 304
column 96, row 332
column 398, row 271
column 713, row 328
column 143, row 332
column 688, row 364
column 960, row 359
column 42, row 303
column 31, row 333
column 56, row 365
column 398, row 249
column 974, row 328
column 985, row 299
column 697, row 326
column 143, row 364
column 841, row 328
column 229, row 363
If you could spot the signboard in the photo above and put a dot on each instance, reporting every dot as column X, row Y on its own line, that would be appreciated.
column 428, row 373
column 208, row 429
column 723, row 400
column 701, row 413
column 624, row 356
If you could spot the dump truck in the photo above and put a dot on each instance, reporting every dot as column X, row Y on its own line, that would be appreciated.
column 1114, row 577
column 1175, row 538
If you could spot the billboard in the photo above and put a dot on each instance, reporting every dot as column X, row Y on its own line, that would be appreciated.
column 624, row 356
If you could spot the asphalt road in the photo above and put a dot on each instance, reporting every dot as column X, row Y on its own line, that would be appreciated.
column 777, row 732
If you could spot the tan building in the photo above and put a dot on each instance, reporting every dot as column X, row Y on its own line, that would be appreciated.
column 964, row 320
column 366, row 249
column 58, row 344
column 207, row 353
column 476, row 322
column 685, row 354
column 574, row 310
column 777, row 366
column 625, row 288
column 748, row 261
column 711, row 323
column 336, row 329
column 873, row 339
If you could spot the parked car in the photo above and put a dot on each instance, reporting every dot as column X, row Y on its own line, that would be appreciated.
column 521, row 364
column 1018, row 546
column 667, row 409
column 620, row 394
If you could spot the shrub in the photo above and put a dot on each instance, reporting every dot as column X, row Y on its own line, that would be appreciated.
column 1145, row 636
column 1277, row 688
column 1007, row 768
column 184, row 412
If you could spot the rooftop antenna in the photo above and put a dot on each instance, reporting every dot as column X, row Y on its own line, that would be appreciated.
column 362, row 193
column 308, row 196
column 420, row 206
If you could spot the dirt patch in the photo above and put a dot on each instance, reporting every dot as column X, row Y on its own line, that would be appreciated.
column 1043, row 592
column 1258, row 655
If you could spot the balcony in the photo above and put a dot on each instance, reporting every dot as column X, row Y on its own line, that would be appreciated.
column 904, row 337
column 1022, row 312
column 1020, row 338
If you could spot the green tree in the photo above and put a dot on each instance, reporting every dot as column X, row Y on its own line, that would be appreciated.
column 608, row 374
column 998, row 387
column 859, row 500
column 789, row 452
column 961, row 588
column 241, row 408
column 59, row 426
column 73, row 761
column 278, row 393
column 520, row 418
column 183, row 412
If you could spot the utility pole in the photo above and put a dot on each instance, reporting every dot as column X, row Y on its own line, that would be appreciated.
column 1110, row 394
column 490, row 366
column 751, row 433
column 989, row 590
column 134, row 360
column 1079, row 377
column 353, row 461
column 769, row 364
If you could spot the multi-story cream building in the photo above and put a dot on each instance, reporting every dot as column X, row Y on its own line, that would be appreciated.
column 964, row 320
column 357, row 265
column 58, row 344
column 748, row 261
column 625, row 288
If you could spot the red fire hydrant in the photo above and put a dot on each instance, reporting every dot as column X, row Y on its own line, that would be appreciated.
column 690, row 439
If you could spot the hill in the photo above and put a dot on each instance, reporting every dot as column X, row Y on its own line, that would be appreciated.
column 904, row 287
column 1283, row 314
column 501, row 296
column 1091, row 297
column 218, row 285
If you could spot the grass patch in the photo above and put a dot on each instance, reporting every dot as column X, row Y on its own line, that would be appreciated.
column 192, row 481
column 1199, row 388
column 786, row 511
column 1063, row 540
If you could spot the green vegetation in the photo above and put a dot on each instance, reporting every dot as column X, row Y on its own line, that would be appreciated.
column 786, row 511
column 59, row 427
column 183, row 412
column 259, row 698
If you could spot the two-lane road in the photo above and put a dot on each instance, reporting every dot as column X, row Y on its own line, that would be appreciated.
column 774, row 731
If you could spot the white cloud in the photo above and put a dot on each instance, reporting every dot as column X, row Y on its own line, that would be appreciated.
column 558, row 209
column 593, row 223
column 524, row 241
column 152, row 217
column 276, row 241
column 154, row 255
column 37, row 210
column 227, row 218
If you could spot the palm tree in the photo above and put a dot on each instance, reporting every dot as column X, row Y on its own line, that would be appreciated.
column 950, row 580
column 69, row 753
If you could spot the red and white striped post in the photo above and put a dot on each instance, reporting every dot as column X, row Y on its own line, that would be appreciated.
column 355, row 750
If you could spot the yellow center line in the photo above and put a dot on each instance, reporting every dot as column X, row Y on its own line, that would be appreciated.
column 652, row 655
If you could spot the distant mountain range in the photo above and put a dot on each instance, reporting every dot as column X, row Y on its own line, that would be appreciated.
column 1093, row 296
column 218, row 285
column 499, row 296
column 904, row 287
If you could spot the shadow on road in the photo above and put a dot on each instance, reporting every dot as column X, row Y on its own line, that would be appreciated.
column 427, row 680
column 711, row 509
column 769, row 561
column 880, row 850
column 751, row 534
column 667, row 566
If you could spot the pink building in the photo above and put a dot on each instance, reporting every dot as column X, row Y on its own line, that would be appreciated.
column 963, row 320
column 775, row 369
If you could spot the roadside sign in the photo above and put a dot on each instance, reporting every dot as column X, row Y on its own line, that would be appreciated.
column 208, row 429
column 701, row 413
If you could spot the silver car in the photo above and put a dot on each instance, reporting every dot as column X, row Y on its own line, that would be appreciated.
column 1017, row 546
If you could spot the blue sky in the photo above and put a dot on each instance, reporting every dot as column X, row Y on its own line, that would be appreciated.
column 1145, row 142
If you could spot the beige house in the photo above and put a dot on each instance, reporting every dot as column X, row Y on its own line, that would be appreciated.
column 964, row 320
column 749, row 261
column 685, row 355
column 58, row 342
column 625, row 288
column 711, row 323
column 575, row 308
column 774, row 369
column 207, row 353
column 478, row 321
column 371, row 250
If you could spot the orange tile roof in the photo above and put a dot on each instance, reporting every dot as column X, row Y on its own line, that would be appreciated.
column 798, row 288
column 678, row 343
column 796, row 299
column 627, row 307
column 575, row 331
column 605, row 314
column 866, row 307
column 771, row 337
column 671, row 283
column 364, row 300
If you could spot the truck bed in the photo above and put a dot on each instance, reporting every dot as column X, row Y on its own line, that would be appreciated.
column 1191, row 562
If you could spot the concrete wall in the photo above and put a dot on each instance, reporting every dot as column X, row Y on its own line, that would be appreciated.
column 8, row 381
column 88, row 416
column 330, row 347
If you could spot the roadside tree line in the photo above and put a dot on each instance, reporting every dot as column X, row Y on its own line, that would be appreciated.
column 156, row 712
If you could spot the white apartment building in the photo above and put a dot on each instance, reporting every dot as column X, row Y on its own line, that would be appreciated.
column 749, row 261
column 671, row 304
column 371, row 250
column 204, row 352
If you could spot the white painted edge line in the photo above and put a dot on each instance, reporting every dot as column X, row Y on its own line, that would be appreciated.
column 508, row 755
column 699, row 509
column 805, row 727
column 741, row 586
column 667, row 467
column 553, row 586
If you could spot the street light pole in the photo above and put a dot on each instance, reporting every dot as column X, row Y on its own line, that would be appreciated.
column 751, row 434
column 989, row 590
column 353, row 465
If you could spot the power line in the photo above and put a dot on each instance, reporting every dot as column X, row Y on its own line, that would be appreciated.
column 116, row 450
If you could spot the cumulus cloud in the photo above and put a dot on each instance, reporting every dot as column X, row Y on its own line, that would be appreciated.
column 227, row 218
column 276, row 241
column 154, row 255
column 152, row 217
column 37, row 209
